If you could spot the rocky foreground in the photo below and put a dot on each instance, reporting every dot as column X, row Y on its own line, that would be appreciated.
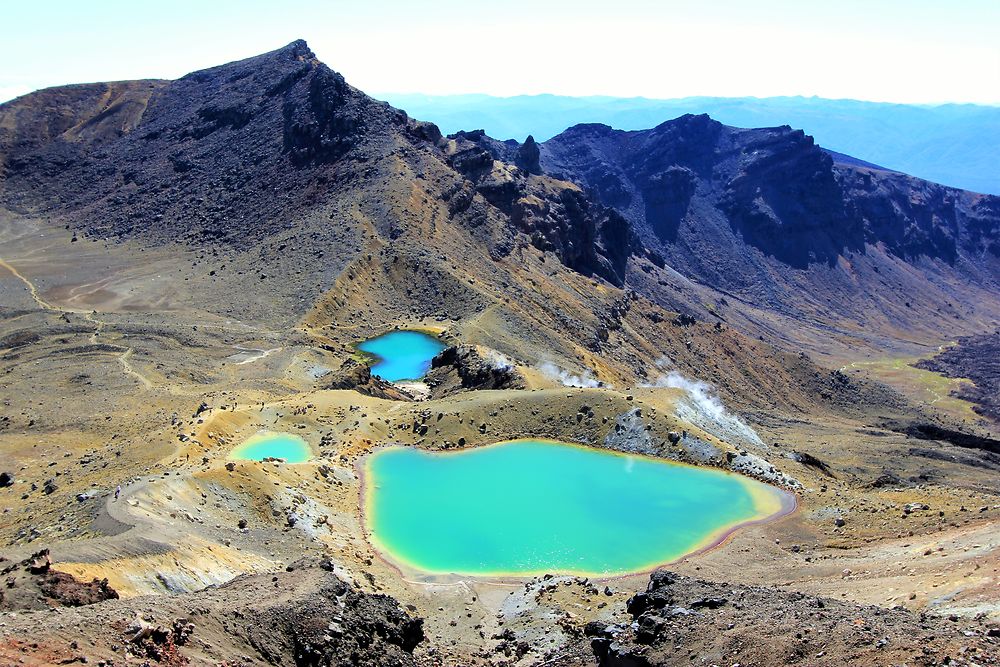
column 308, row 616
column 681, row 621
column 303, row 616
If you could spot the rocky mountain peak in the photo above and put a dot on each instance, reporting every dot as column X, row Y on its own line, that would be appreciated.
column 298, row 49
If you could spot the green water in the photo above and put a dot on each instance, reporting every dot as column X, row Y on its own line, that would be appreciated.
column 530, row 507
column 402, row 355
column 264, row 445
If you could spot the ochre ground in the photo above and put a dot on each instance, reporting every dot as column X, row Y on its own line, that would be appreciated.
column 108, row 352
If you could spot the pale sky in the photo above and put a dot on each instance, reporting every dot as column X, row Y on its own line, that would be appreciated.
column 922, row 51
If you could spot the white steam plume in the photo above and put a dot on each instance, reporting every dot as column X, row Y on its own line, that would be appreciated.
column 585, row 379
column 701, row 406
column 498, row 361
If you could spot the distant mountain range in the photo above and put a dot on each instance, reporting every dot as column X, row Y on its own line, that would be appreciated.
column 952, row 144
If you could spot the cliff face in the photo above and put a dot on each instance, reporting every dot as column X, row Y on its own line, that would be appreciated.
column 555, row 214
column 767, row 216
column 777, row 190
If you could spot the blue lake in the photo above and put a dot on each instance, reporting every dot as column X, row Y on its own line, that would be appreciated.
column 266, row 444
column 402, row 355
column 528, row 507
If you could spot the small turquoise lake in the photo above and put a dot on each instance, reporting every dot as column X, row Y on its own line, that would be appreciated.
column 266, row 444
column 402, row 355
column 528, row 507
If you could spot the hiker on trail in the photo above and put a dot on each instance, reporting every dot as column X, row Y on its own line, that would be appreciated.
column 118, row 491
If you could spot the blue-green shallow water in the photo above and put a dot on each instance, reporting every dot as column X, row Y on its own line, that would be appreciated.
column 286, row 446
column 529, row 507
column 402, row 355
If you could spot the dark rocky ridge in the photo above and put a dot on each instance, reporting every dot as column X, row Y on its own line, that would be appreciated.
column 209, row 156
column 767, row 217
column 778, row 190
column 249, row 150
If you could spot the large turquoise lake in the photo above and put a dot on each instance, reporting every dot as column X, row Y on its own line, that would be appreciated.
column 402, row 355
column 266, row 444
column 529, row 507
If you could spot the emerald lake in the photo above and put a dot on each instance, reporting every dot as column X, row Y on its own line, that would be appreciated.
column 528, row 507
column 402, row 355
column 266, row 444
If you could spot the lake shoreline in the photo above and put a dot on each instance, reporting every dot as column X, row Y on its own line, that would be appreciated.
column 782, row 504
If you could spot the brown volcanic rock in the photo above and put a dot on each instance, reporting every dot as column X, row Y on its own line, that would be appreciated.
column 338, row 625
column 679, row 619
column 303, row 617
column 358, row 376
column 33, row 584
column 555, row 214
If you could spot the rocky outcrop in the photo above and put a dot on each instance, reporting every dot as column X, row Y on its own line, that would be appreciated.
column 677, row 620
column 358, row 376
column 323, row 126
column 527, row 156
column 303, row 616
column 338, row 625
column 33, row 583
column 587, row 237
column 555, row 214
column 463, row 367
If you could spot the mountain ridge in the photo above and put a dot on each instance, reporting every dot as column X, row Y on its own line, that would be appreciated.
column 756, row 213
column 769, row 217
column 952, row 144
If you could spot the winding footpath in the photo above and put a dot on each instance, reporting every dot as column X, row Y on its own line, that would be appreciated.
column 99, row 325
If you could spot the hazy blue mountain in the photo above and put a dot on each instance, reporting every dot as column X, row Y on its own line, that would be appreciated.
column 952, row 144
